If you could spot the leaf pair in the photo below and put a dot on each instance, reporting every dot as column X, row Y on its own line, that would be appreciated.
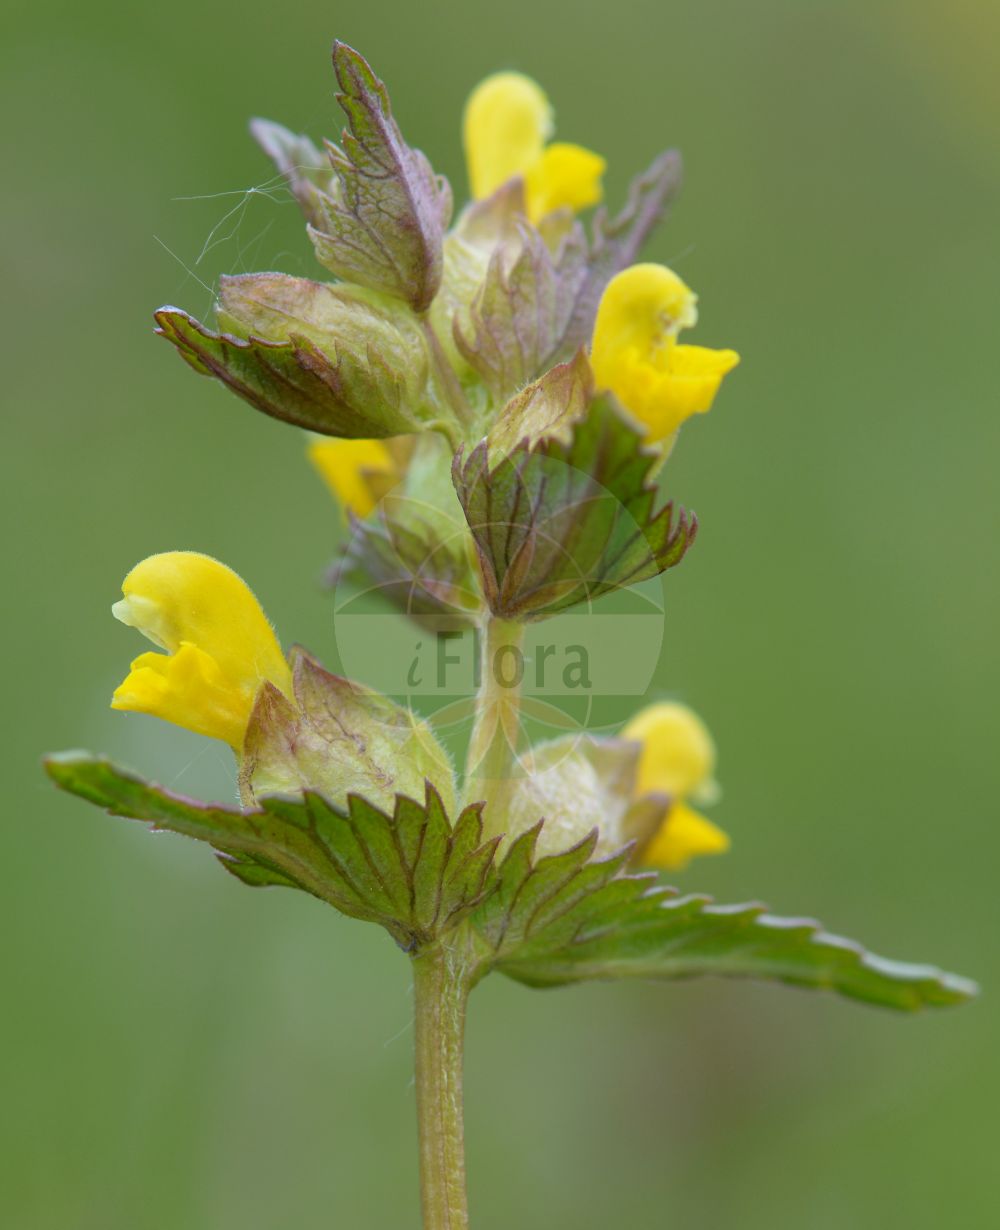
column 543, row 921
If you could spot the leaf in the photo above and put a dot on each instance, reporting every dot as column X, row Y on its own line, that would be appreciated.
column 545, row 922
column 522, row 309
column 385, row 227
column 305, row 168
column 530, row 892
column 568, row 918
column 616, row 245
column 338, row 738
column 341, row 393
column 559, row 523
column 407, row 868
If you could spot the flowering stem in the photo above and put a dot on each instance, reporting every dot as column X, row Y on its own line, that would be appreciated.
column 440, row 990
column 492, row 747
column 441, row 977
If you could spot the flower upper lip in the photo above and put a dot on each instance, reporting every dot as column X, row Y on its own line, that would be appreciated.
column 507, row 124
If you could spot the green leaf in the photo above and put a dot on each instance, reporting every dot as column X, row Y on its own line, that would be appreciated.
column 616, row 245
column 550, row 921
column 407, row 868
column 339, row 738
column 559, row 523
column 336, row 391
column 529, row 890
column 568, row 918
column 384, row 228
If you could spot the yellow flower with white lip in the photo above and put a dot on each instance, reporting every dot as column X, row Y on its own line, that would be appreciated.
column 635, row 353
column 506, row 127
column 219, row 645
column 356, row 471
column 677, row 760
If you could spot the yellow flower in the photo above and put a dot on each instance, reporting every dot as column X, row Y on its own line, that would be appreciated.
column 358, row 472
column 507, row 122
column 219, row 646
column 635, row 352
column 677, row 760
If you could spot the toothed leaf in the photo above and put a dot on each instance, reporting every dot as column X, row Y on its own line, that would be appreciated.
column 407, row 868
column 329, row 388
column 520, row 907
column 562, row 521
column 384, row 228
column 570, row 918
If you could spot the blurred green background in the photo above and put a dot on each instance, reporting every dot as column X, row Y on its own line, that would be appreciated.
column 180, row 1052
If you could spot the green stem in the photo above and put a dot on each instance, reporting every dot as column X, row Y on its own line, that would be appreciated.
column 441, row 978
column 450, row 383
column 440, row 990
column 492, row 747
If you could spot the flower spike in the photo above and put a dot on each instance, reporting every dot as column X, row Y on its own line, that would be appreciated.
column 490, row 404
column 220, row 649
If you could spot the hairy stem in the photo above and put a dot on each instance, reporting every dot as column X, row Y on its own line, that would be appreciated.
column 440, row 990
column 490, row 764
